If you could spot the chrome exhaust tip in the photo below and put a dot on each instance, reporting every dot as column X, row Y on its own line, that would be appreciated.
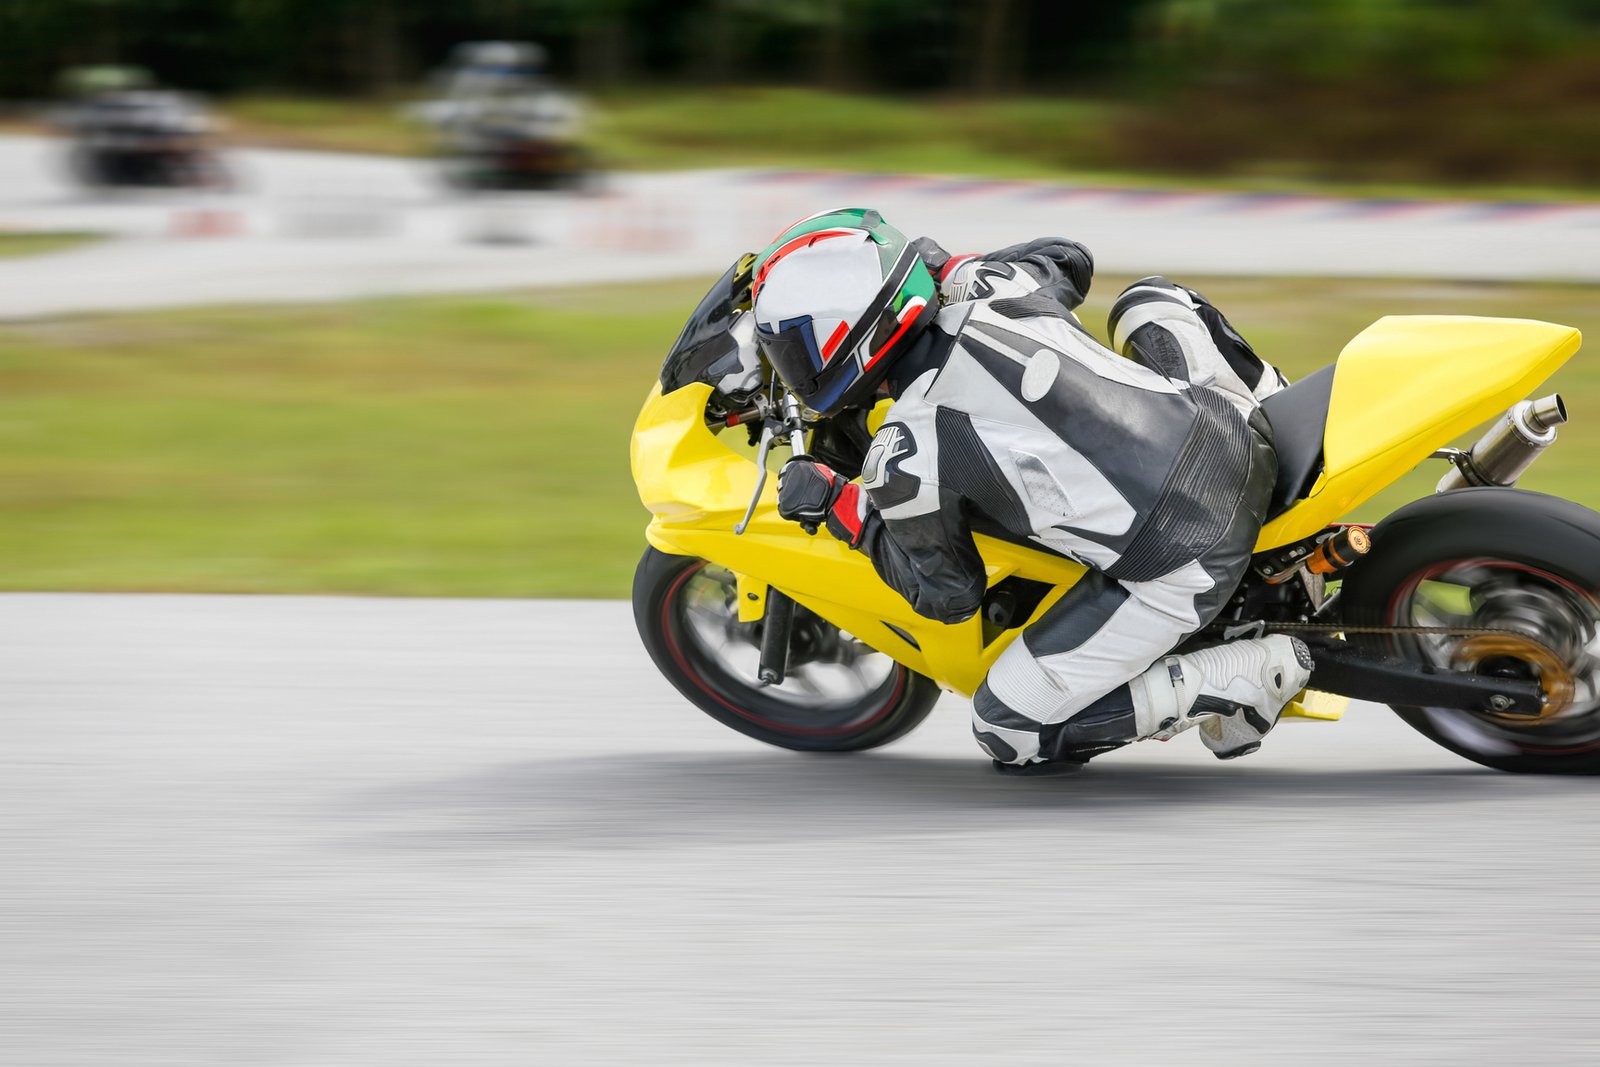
column 1546, row 413
column 1508, row 449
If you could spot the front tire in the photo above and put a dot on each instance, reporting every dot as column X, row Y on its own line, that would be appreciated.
column 839, row 696
column 1504, row 559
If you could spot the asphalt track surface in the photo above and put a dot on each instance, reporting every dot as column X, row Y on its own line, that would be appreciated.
column 395, row 832
column 305, row 226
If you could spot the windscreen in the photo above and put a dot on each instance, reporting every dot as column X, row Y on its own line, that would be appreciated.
column 705, row 350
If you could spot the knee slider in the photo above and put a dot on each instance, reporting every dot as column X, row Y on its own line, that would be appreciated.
column 991, row 710
column 988, row 711
column 995, row 746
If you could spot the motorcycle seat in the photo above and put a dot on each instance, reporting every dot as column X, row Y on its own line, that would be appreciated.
column 1298, row 416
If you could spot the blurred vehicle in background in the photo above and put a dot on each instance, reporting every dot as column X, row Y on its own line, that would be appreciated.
column 125, row 133
column 501, row 124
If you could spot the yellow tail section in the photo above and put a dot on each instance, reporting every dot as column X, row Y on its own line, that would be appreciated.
column 1408, row 385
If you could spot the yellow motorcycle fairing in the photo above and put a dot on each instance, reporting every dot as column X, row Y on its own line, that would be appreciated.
column 697, row 487
column 1403, row 387
column 1408, row 385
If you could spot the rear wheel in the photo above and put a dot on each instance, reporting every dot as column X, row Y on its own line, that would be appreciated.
column 1520, row 563
column 839, row 695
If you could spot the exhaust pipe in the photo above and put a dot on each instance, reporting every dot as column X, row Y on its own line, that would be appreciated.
column 1509, row 448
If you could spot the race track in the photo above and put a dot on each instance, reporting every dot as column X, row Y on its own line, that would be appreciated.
column 390, row 832
column 305, row 226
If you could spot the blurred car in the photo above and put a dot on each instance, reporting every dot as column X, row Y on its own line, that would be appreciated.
column 125, row 133
column 500, row 123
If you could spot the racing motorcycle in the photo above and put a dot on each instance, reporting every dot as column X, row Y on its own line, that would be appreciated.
column 144, row 138
column 1473, row 612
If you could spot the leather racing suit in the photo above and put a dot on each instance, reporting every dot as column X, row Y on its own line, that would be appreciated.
column 1152, row 470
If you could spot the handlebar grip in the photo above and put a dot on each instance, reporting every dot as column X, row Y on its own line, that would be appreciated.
column 809, row 527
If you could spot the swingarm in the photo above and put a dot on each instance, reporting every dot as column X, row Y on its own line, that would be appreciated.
column 1363, row 673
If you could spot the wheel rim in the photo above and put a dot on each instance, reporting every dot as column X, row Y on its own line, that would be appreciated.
column 1553, row 637
column 835, row 685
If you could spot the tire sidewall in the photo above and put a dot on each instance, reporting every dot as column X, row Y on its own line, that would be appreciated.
column 659, row 577
column 1545, row 533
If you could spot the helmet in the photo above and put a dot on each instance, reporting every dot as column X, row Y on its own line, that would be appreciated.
column 837, row 297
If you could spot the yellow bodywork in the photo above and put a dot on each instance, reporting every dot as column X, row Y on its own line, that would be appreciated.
column 1408, row 385
column 1403, row 387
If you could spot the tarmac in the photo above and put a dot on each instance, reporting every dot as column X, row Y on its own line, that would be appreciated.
column 313, row 831
column 308, row 226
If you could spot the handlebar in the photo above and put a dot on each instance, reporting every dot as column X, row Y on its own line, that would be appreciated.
column 783, row 421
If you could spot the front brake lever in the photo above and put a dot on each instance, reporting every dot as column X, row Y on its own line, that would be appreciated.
column 794, row 432
column 761, row 478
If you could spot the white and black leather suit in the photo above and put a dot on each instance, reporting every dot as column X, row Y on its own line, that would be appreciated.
column 1153, row 470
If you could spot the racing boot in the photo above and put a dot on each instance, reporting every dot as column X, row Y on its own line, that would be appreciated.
column 1233, row 692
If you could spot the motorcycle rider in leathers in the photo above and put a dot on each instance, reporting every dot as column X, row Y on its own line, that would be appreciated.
column 1009, row 418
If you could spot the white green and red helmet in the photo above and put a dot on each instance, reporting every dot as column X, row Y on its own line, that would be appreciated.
column 837, row 297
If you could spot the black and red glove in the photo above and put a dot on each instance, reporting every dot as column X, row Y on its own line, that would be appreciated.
column 812, row 494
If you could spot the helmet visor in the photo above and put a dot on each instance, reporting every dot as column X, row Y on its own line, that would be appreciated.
column 792, row 351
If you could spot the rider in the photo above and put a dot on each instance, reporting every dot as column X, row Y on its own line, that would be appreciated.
column 1153, row 471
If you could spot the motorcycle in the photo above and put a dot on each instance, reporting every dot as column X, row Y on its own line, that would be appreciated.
column 144, row 139
column 1474, row 612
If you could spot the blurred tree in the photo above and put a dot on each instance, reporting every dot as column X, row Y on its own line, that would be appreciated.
column 719, row 41
column 1393, row 90
column 1334, row 41
column 352, row 46
column 997, row 51
column 836, row 45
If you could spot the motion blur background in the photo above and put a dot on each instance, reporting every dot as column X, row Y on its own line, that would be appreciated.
column 366, row 309
column 475, row 444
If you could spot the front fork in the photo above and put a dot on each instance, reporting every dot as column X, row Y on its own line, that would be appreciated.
column 778, row 622
column 775, row 632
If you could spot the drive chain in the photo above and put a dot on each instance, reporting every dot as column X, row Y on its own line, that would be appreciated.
column 1345, row 628
column 1333, row 629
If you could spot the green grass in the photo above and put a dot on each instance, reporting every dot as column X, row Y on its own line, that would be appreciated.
column 37, row 244
column 667, row 129
column 460, row 446
column 741, row 127
column 379, row 126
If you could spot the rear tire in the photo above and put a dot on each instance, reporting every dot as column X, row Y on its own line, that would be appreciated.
column 1504, row 558
column 667, row 589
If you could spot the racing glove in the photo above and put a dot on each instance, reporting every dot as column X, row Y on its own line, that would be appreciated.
column 812, row 495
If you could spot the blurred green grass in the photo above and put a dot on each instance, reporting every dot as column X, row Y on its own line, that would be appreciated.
column 735, row 127
column 465, row 446
column 1028, row 137
column 339, row 125
column 35, row 244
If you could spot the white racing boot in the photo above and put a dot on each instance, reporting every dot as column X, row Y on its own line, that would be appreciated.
column 1233, row 692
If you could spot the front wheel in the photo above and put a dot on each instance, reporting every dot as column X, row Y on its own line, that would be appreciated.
column 1522, row 564
column 838, row 696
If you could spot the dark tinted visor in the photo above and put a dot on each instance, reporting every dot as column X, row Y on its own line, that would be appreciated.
column 790, row 351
